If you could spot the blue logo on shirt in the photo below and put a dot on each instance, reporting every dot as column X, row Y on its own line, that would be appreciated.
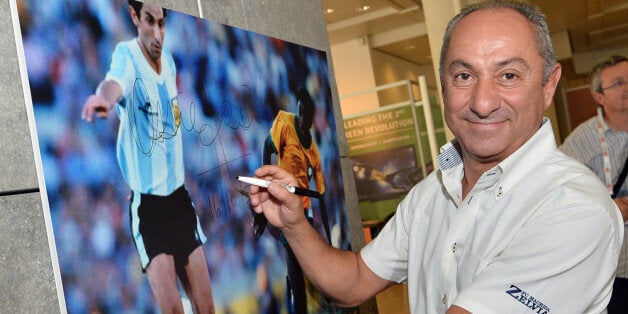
column 527, row 300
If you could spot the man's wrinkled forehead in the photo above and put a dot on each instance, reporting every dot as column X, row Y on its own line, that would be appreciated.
column 488, row 22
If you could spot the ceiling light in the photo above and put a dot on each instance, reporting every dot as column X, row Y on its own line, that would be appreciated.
column 410, row 47
column 329, row 11
column 363, row 8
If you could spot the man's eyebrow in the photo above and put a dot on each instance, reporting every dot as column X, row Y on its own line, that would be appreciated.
column 513, row 61
column 460, row 63
column 149, row 15
column 501, row 64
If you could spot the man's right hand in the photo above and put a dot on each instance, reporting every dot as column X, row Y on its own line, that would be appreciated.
column 97, row 105
column 280, row 207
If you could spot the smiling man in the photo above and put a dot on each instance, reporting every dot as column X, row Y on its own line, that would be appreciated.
column 507, row 224
column 141, row 86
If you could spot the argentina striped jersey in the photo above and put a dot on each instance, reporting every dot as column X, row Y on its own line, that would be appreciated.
column 149, row 145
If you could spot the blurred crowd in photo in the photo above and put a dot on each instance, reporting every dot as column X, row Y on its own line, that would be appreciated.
column 232, row 82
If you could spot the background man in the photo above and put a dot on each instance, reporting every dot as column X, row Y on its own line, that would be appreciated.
column 601, row 143
column 142, row 82
column 507, row 222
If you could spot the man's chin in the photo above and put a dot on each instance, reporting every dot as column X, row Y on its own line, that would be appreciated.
column 487, row 148
column 156, row 52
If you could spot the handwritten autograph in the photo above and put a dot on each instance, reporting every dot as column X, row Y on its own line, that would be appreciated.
column 164, row 122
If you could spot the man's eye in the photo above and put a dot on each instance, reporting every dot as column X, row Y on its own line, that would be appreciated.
column 510, row 76
column 463, row 79
column 463, row 76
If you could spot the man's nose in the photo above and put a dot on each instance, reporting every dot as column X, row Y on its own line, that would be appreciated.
column 158, row 33
column 484, row 99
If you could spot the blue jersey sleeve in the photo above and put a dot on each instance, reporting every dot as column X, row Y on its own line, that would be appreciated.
column 121, row 69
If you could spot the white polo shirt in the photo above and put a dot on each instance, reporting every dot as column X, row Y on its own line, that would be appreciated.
column 537, row 234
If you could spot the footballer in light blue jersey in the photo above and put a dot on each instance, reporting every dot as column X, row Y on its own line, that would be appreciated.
column 150, row 152
column 149, row 146
column 141, row 85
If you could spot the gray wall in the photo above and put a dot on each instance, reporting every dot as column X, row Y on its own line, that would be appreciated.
column 27, row 270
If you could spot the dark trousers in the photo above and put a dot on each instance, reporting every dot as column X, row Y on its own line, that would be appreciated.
column 619, row 298
column 297, row 297
column 296, row 293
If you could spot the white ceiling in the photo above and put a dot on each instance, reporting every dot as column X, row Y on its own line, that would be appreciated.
column 397, row 27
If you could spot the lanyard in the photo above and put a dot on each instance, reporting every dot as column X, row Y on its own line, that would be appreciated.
column 604, row 144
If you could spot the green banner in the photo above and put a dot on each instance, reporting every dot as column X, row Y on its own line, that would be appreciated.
column 387, row 156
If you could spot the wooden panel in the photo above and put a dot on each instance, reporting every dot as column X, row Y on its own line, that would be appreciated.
column 580, row 105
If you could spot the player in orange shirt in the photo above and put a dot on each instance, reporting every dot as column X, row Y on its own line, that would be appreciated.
column 290, row 139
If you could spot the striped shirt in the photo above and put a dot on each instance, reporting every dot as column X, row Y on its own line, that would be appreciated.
column 149, row 145
column 583, row 144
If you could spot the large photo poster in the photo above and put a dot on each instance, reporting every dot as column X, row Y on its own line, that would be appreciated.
column 145, row 117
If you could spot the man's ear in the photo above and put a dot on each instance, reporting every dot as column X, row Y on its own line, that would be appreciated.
column 134, row 17
column 550, row 86
column 599, row 98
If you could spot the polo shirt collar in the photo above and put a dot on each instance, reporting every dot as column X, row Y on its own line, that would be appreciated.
column 507, row 172
column 528, row 156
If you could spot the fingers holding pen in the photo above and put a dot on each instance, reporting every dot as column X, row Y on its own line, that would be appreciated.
column 275, row 174
column 266, row 205
column 280, row 207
